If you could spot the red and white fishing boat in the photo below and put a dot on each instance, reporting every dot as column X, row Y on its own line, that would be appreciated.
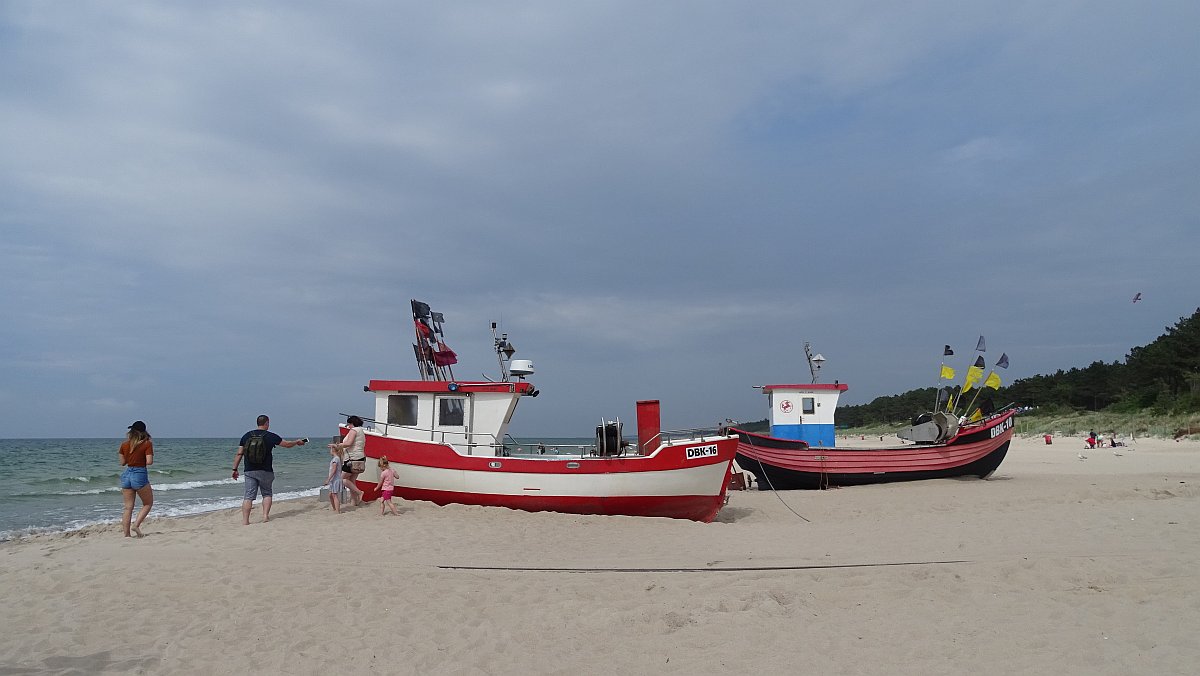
column 448, row 441
column 800, row 450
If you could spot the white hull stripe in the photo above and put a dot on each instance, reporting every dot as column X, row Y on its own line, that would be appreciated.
column 702, row 480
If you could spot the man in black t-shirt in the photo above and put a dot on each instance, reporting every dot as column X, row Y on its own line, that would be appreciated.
column 259, row 472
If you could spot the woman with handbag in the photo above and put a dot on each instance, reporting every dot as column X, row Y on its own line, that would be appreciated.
column 356, row 457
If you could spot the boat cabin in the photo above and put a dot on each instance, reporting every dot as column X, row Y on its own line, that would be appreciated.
column 472, row 417
column 804, row 412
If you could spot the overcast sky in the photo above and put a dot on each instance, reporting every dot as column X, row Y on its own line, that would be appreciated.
column 213, row 210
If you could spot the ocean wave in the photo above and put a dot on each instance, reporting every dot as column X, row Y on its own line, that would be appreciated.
column 83, row 479
column 181, row 486
column 108, row 476
column 185, row 485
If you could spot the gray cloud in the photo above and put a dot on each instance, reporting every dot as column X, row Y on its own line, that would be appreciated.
column 221, row 209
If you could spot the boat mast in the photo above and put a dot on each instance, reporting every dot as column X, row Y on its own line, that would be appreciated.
column 814, row 361
column 433, row 356
column 504, row 352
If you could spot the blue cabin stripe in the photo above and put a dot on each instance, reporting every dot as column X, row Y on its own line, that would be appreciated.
column 813, row 435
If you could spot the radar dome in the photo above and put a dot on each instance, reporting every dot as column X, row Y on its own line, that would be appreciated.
column 521, row 367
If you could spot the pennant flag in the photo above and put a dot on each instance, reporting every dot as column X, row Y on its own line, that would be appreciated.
column 977, row 415
column 948, row 352
column 947, row 373
column 974, row 374
column 950, row 402
column 980, row 346
column 1003, row 361
column 993, row 381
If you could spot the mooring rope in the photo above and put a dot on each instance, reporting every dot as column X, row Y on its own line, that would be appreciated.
column 763, row 473
column 728, row 569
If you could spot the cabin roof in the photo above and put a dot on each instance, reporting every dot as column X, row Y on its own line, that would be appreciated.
column 445, row 386
column 840, row 387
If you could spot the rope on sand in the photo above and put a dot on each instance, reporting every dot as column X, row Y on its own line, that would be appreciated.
column 763, row 473
column 730, row 569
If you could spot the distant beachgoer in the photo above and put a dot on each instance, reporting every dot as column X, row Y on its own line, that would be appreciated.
column 256, row 446
column 386, row 486
column 1091, row 440
column 334, row 480
column 136, row 453
column 541, row 448
column 353, row 444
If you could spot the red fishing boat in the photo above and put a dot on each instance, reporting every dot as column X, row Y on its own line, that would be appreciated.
column 800, row 451
column 448, row 441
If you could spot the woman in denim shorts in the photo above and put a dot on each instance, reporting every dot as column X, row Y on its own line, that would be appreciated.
column 137, row 453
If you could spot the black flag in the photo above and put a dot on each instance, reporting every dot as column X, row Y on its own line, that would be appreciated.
column 980, row 346
column 1003, row 361
column 947, row 352
column 979, row 362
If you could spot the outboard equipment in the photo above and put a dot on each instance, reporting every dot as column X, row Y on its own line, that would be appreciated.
column 930, row 428
column 608, row 439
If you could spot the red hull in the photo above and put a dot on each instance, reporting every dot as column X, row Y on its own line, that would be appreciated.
column 785, row 464
column 666, row 483
column 694, row 507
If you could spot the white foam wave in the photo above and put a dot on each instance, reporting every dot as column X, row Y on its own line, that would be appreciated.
column 218, row 504
column 182, row 486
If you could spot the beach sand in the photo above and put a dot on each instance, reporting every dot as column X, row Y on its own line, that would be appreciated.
column 1056, row 565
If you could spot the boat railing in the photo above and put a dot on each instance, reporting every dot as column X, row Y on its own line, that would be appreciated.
column 666, row 437
column 485, row 443
column 471, row 441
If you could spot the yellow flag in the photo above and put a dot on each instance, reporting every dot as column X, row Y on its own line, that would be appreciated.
column 993, row 381
column 950, row 403
column 947, row 373
column 977, row 415
column 974, row 374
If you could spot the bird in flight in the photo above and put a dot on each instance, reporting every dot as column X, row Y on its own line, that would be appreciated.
column 1137, row 296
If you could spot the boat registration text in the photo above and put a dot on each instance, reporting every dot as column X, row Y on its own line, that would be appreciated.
column 1002, row 427
column 701, row 452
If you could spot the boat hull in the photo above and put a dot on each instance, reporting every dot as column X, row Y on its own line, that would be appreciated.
column 781, row 464
column 683, row 481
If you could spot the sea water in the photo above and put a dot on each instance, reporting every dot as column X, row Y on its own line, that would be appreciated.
column 54, row 485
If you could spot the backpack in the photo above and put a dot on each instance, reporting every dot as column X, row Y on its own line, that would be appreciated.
column 256, row 449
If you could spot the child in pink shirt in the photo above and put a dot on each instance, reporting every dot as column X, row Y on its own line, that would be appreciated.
column 387, row 486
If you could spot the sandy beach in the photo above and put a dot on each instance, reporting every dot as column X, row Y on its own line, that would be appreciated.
column 1056, row 565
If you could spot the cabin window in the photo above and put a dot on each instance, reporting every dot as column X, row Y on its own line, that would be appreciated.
column 450, row 412
column 808, row 405
column 402, row 409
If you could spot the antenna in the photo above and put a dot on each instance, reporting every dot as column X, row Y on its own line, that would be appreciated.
column 504, row 351
column 815, row 361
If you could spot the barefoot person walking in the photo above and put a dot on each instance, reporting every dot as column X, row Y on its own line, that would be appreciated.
column 256, row 447
column 137, row 453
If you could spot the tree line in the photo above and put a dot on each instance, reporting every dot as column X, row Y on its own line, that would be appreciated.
column 1162, row 377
